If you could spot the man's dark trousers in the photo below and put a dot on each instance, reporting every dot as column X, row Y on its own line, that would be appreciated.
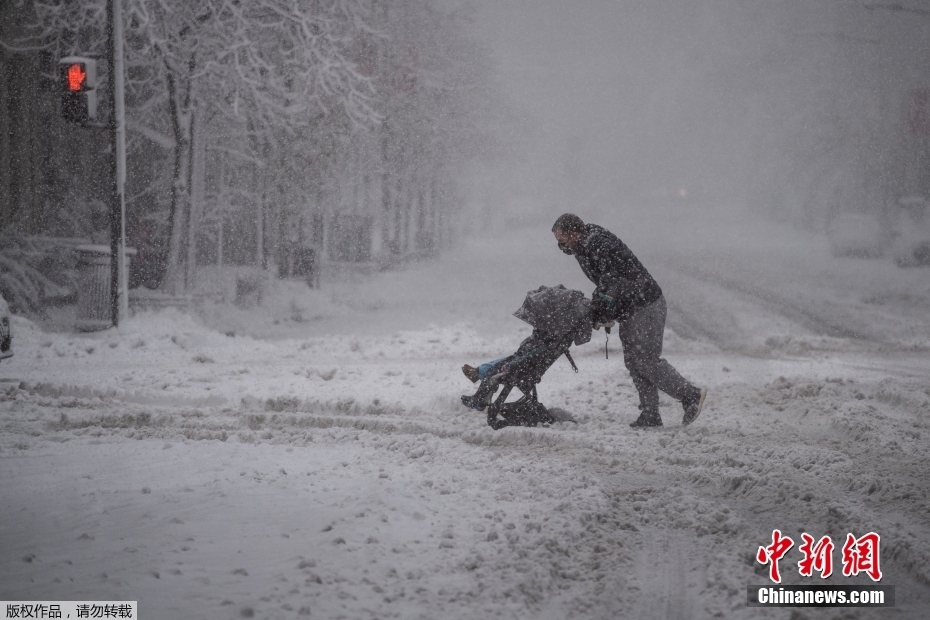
column 641, row 336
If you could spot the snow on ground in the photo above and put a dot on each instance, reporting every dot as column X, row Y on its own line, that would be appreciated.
column 316, row 460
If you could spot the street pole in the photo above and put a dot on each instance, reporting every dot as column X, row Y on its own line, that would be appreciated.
column 119, row 281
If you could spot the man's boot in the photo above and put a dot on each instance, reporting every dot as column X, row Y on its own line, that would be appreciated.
column 648, row 418
column 692, row 404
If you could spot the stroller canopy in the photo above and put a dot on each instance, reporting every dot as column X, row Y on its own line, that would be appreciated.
column 559, row 312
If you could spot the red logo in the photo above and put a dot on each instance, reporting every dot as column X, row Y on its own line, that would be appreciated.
column 860, row 555
column 774, row 552
column 819, row 556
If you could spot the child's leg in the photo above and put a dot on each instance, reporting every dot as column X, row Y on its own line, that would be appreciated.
column 487, row 373
column 483, row 395
column 489, row 369
column 483, row 371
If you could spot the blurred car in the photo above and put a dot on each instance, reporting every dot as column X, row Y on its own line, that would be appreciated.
column 911, row 245
column 6, row 337
column 861, row 235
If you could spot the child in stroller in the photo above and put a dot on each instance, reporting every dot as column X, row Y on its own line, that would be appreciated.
column 560, row 317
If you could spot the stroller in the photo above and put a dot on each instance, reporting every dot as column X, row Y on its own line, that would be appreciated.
column 560, row 317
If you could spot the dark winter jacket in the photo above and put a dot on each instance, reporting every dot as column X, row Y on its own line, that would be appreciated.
column 623, row 284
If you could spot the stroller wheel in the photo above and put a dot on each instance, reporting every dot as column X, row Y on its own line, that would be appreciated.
column 496, row 422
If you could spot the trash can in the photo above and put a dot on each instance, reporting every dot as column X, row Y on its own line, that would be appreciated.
column 93, row 307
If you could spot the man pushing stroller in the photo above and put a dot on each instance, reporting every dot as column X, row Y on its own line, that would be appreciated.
column 627, row 294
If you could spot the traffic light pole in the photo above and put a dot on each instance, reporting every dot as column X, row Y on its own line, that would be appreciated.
column 119, row 285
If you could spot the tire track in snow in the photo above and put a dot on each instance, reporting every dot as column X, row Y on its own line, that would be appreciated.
column 666, row 585
column 665, row 591
column 688, row 326
column 729, row 320
column 768, row 299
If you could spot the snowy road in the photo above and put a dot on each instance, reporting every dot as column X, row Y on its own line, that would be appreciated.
column 328, row 469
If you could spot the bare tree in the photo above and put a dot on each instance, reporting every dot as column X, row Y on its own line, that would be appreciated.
column 272, row 66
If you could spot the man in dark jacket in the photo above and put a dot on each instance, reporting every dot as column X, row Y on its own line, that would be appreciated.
column 627, row 294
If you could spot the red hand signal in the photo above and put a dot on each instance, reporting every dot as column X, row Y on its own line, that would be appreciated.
column 76, row 77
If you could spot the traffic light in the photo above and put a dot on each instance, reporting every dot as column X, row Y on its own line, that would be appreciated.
column 78, row 79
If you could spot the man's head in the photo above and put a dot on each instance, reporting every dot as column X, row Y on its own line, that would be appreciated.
column 568, row 230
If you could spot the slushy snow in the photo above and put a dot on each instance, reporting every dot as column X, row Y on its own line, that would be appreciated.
column 310, row 457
